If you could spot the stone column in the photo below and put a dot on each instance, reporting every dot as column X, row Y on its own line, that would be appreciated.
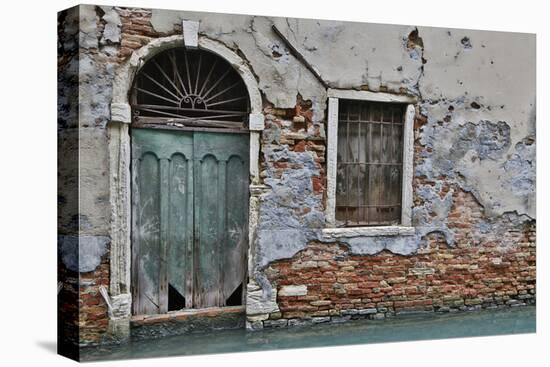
column 119, row 168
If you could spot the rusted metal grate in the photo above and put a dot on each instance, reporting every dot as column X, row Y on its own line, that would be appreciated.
column 369, row 163
column 189, row 88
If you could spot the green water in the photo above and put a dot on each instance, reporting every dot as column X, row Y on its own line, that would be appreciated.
column 431, row 326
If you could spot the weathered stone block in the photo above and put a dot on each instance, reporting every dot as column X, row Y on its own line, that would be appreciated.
column 339, row 319
column 281, row 323
column 254, row 318
column 293, row 290
column 320, row 320
column 121, row 112
column 255, row 325
column 299, row 322
column 320, row 303
column 367, row 311
column 190, row 33
column 259, row 302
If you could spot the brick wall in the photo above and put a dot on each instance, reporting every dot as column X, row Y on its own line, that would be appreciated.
column 467, row 276
column 93, row 311
column 82, row 311
column 136, row 30
column 295, row 129
column 67, row 312
column 495, row 268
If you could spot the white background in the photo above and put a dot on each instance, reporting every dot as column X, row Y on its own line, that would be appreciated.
column 28, row 182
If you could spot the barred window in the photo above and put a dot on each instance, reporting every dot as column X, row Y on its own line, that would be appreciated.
column 369, row 171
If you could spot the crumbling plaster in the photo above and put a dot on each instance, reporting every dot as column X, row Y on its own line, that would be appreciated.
column 85, row 93
column 443, row 67
column 475, row 91
column 489, row 79
column 82, row 253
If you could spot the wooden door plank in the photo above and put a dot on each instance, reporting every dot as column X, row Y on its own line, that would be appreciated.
column 177, row 227
column 221, row 230
column 157, row 260
column 236, row 234
column 189, row 272
column 164, row 221
column 223, row 222
column 197, row 185
column 207, row 268
column 147, row 244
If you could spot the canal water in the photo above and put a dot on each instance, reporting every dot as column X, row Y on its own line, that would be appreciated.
column 401, row 328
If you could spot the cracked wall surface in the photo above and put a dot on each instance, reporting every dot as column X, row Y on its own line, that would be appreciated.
column 474, row 127
column 472, row 71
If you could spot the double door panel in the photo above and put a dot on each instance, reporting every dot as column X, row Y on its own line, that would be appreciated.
column 189, row 219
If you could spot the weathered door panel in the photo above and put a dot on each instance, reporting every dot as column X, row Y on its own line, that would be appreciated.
column 207, row 246
column 147, row 237
column 236, row 233
column 161, row 163
column 190, row 218
column 180, row 216
column 221, row 206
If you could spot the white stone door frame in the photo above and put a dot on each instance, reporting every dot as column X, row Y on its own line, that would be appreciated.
column 119, row 164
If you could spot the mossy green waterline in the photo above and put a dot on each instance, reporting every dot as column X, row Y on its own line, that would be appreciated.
column 401, row 328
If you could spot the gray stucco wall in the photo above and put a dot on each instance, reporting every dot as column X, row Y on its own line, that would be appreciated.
column 476, row 90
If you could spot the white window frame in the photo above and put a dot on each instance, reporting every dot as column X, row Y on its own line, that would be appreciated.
column 404, row 227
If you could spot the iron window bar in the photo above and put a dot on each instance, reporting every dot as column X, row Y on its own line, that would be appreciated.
column 369, row 163
column 191, row 88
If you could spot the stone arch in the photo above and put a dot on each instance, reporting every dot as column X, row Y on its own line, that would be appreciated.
column 127, row 72
column 119, row 165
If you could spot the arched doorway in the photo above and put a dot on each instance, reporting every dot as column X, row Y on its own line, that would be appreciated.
column 190, row 178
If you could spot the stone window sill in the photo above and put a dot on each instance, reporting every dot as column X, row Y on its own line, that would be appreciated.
column 348, row 232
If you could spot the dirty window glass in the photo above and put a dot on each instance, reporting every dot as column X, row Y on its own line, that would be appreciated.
column 369, row 163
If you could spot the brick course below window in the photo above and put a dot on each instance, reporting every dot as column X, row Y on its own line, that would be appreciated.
column 472, row 274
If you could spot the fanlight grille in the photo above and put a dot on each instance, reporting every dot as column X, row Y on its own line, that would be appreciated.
column 189, row 88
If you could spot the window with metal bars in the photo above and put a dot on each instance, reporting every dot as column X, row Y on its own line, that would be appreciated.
column 369, row 163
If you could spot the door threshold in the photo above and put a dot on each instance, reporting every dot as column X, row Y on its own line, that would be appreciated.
column 188, row 313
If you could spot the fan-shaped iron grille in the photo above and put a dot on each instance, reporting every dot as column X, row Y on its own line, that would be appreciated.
column 190, row 88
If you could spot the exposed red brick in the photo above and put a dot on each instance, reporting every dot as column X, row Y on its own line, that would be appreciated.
column 318, row 184
column 300, row 146
column 437, row 276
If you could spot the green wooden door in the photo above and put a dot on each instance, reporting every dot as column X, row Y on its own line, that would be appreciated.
column 190, row 218
column 220, row 212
